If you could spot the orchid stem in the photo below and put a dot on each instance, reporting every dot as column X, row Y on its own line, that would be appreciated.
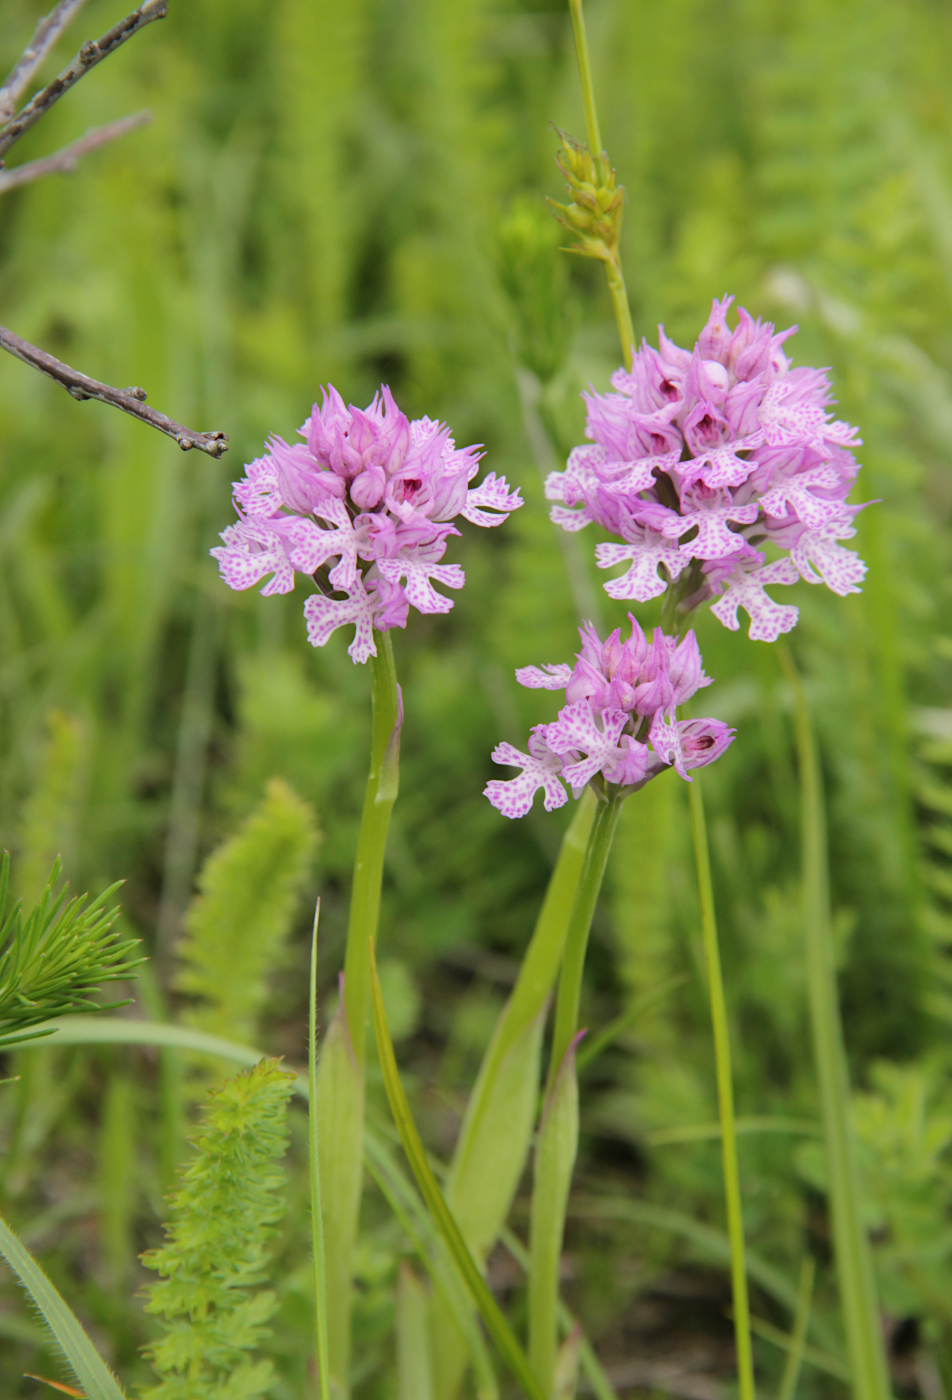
column 580, row 924
column 725, row 1097
column 379, row 797
column 341, row 1074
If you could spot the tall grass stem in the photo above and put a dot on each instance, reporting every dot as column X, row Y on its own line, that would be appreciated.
column 725, row 1097
column 317, row 1207
column 854, row 1264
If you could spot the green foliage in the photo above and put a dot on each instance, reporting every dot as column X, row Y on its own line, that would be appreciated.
column 55, row 957
column 215, row 1258
column 319, row 196
column 239, row 922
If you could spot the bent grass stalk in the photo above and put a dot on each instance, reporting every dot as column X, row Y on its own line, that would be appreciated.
column 492, row 1315
column 854, row 1265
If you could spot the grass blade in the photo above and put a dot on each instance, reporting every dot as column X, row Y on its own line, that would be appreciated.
column 87, row 1365
column 791, row 1372
column 725, row 1097
column 496, row 1324
column 317, row 1210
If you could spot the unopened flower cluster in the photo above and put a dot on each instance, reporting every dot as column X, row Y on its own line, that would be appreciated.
column 700, row 458
column 619, row 720
column 365, row 505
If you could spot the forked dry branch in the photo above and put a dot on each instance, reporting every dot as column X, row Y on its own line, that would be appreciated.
column 13, row 125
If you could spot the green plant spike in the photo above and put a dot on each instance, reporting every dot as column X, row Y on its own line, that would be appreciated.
column 214, row 1312
column 496, row 1323
column 238, row 923
column 314, row 1165
column 92, row 1373
column 854, row 1264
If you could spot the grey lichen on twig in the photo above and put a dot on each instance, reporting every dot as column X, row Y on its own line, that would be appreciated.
column 28, row 64
column 131, row 401
column 90, row 53
column 67, row 158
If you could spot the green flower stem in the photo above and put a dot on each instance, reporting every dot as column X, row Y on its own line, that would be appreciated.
column 613, row 272
column 854, row 1265
column 341, row 1072
column 380, row 795
column 580, row 923
column 725, row 1097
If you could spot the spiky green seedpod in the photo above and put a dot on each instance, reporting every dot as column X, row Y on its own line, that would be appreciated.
column 215, row 1257
column 594, row 213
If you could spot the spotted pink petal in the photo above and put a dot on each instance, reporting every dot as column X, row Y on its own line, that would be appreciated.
column 492, row 494
column 548, row 677
column 513, row 798
column 746, row 590
column 325, row 615
column 576, row 729
column 642, row 581
column 821, row 560
column 250, row 551
column 417, row 572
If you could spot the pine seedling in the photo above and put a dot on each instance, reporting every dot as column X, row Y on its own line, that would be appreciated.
column 55, row 957
column 215, row 1257
column 238, row 924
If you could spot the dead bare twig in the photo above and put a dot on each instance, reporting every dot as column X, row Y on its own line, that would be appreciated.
column 45, row 36
column 67, row 158
column 91, row 53
column 132, row 401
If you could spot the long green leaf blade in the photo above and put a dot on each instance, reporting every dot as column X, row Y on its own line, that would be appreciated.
column 87, row 1365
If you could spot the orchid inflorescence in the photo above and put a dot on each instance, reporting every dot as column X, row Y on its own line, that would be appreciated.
column 367, row 486
column 619, row 722
column 699, row 459
column 696, row 460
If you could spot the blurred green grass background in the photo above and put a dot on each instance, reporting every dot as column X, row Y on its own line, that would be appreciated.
column 354, row 191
